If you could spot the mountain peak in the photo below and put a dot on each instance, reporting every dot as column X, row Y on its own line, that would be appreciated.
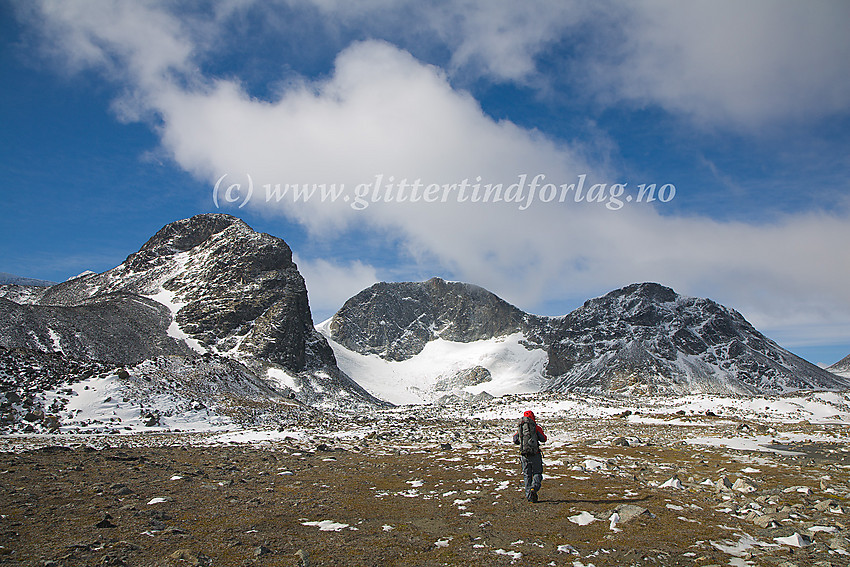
column 397, row 320
column 186, row 234
column 229, row 289
column 650, row 290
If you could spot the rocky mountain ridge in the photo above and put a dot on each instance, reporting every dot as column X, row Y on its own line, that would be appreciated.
column 645, row 337
column 231, row 290
column 641, row 339
column 209, row 296
column 208, row 287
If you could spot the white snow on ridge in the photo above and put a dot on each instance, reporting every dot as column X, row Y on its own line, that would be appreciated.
column 513, row 368
column 57, row 340
column 82, row 275
column 815, row 407
column 282, row 379
column 168, row 299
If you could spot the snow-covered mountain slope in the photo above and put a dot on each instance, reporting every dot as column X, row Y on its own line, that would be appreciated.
column 446, row 370
column 51, row 392
column 641, row 339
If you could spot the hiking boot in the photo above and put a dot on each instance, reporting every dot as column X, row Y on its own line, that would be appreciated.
column 533, row 497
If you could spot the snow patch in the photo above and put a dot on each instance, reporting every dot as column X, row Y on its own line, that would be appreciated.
column 582, row 519
column 56, row 340
column 282, row 379
column 327, row 525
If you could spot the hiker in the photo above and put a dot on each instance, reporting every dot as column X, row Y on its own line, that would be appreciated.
column 529, row 435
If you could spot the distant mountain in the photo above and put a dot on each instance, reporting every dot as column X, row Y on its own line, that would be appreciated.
column 842, row 367
column 205, row 285
column 647, row 338
column 643, row 338
column 397, row 320
column 12, row 279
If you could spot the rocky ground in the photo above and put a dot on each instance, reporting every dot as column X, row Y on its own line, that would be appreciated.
column 408, row 489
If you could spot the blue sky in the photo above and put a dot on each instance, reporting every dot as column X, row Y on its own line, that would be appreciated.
column 120, row 116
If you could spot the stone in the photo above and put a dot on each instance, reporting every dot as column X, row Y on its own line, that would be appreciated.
column 303, row 558
column 766, row 521
column 261, row 550
column 629, row 512
column 744, row 485
column 105, row 522
column 188, row 556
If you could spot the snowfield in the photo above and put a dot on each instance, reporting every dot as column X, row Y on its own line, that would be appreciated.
column 514, row 369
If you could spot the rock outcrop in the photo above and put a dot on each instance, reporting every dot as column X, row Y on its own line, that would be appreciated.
column 397, row 320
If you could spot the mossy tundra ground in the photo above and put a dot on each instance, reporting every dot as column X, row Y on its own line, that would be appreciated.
column 415, row 491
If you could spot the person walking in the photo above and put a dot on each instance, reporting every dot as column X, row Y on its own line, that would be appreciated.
column 529, row 436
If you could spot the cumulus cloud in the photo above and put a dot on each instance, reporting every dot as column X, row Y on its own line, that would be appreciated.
column 722, row 63
column 740, row 64
column 383, row 114
column 330, row 284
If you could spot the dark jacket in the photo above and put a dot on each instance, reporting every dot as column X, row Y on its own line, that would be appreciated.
column 541, row 437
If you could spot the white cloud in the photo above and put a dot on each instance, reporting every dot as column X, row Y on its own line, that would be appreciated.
column 131, row 39
column 727, row 63
column 722, row 63
column 381, row 111
column 501, row 38
column 330, row 284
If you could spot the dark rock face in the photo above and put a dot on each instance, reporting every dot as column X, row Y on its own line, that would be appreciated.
column 646, row 338
column 119, row 328
column 397, row 320
column 233, row 289
column 468, row 377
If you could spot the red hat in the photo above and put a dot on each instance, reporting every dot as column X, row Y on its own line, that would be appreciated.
column 529, row 414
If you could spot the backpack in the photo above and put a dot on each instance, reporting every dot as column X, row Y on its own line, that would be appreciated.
column 528, row 442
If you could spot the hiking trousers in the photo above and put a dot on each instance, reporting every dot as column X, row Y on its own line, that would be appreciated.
column 532, row 472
